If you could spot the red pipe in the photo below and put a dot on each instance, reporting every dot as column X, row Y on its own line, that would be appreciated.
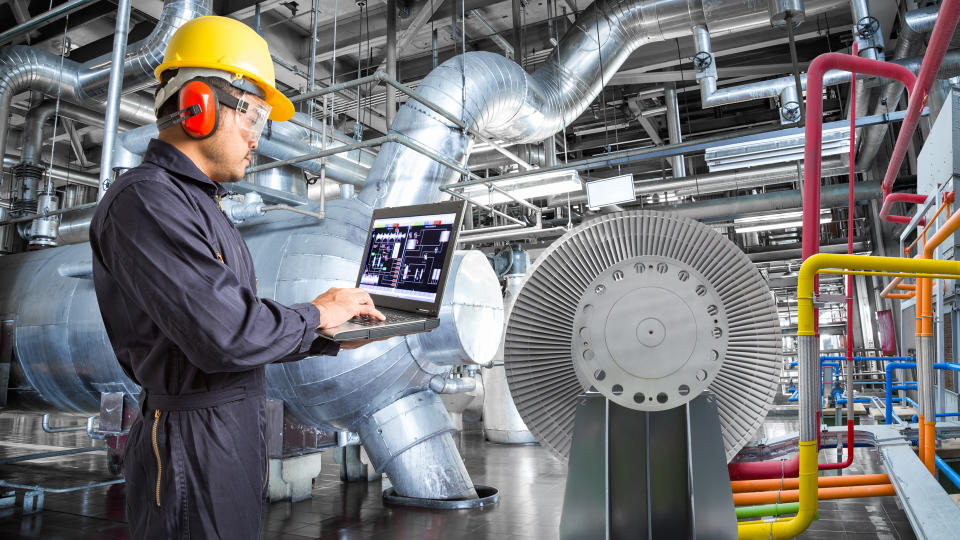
column 940, row 38
column 849, row 341
column 909, row 198
column 814, row 128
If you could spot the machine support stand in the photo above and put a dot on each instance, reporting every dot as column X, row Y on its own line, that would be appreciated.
column 635, row 474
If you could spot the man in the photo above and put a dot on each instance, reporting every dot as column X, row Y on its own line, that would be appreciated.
column 177, row 291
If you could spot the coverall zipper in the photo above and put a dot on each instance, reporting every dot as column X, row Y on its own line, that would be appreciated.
column 156, row 451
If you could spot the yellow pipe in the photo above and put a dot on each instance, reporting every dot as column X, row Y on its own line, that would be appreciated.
column 829, row 261
column 895, row 274
column 808, row 449
column 760, row 530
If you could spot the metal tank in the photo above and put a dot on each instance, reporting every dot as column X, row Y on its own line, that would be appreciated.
column 63, row 358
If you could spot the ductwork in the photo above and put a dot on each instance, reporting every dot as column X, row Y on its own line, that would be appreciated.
column 27, row 68
column 505, row 103
column 916, row 24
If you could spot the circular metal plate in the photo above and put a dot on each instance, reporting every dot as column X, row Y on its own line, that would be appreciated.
column 542, row 334
column 649, row 334
column 486, row 496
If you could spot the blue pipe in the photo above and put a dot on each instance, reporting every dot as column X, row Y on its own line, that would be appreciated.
column 947, row 471
column 939, row 415
column 842, row 401
column 871, row 358
column 889, row 389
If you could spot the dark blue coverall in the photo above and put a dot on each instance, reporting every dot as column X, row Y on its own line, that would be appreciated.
column 177, row 292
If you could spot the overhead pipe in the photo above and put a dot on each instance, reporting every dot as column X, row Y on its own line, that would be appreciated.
column 915, row 25
column 504, row 103
column 38, row 117
column 814, row 129
column 947, row 19
column 25, row 68
column 44, row 18
column 833, row 196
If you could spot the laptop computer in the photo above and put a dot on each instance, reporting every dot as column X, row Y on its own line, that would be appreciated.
column 405, row 268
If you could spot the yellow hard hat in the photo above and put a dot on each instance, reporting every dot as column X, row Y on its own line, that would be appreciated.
column 228, row 45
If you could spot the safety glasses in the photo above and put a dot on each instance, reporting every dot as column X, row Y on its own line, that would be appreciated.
column 252, row 115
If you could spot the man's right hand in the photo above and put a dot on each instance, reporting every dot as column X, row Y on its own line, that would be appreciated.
column 338, row 306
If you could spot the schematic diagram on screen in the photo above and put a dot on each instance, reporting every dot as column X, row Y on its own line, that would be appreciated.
column 407, row 255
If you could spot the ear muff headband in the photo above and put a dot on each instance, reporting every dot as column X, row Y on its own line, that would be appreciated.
column 203, row 124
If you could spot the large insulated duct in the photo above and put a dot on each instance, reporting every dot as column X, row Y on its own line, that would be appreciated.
column 503, row 102
column 27, row 68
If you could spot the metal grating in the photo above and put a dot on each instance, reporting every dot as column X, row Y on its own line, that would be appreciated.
column 538, row 360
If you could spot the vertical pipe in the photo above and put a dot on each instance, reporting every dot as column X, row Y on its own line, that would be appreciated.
column 673, row 128
column 312, row 68
column 113, row 95
column 517, row 42
column 434, row 47
column 940, row 38
column 391, row 59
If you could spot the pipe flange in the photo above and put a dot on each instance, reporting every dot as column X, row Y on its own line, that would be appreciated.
column 650, row 334
column 486, row 496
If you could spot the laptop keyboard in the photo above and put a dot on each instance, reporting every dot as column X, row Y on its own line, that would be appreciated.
column 393, row 317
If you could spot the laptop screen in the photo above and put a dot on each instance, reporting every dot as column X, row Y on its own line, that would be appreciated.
column 405, row 256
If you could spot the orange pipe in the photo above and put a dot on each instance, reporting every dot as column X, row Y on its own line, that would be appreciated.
column 929, row 451
column 947, row 199
column 773, row 484
column 925, row 318
column 899, row 296
column 823, row 494
column 903, row 287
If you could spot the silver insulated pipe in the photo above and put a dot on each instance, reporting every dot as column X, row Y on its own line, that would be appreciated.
column 25, row 68
column 498, row 98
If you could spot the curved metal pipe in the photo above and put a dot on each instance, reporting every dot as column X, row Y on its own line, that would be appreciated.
column 27, row 68
column 503, row 102
column 41, row 114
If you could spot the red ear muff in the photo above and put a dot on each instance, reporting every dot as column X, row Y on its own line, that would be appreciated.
column 201, row 125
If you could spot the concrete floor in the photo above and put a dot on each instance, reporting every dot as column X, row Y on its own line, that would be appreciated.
column 529, row 478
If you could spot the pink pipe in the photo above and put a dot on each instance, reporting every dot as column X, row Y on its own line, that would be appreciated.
column 849, row 337
column 890, row 198
column 814, row 128
column 940, row 38
column 811, row 202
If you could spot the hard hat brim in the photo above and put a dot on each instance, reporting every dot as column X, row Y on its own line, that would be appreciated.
column 281, row 106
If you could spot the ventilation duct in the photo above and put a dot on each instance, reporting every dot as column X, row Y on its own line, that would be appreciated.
column 25, row 68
